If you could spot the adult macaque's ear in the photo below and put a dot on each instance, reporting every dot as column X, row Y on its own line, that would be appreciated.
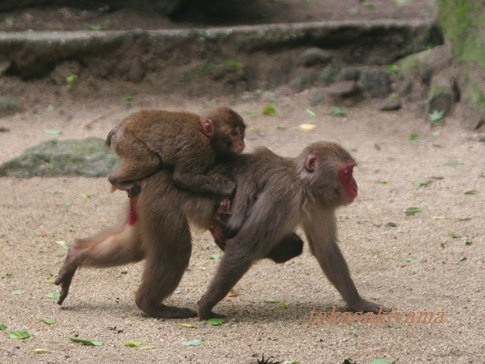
column 208, row 127
column 311, row 162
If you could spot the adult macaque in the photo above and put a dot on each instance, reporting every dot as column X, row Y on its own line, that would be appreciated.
column 149, row 140
column 274, row 196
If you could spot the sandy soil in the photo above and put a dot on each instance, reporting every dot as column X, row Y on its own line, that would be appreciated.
column 415, row 266
column 429, row 262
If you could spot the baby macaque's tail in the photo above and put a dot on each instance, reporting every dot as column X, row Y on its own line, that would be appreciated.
column 110, row 135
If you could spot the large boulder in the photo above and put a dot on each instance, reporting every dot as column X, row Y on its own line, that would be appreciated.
column 84, row 157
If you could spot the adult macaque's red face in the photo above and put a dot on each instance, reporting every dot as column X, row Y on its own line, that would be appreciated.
column 346, row 179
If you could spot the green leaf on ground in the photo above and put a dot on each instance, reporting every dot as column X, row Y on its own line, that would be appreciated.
column 195, row 342
column 412, row 210
column 86, row 342
column 215, row 321
column 21, row 335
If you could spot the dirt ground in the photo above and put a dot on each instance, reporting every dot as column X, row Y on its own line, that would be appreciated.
column 432, row 261
column 415, row 266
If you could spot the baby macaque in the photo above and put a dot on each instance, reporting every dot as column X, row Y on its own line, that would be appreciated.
column 186, row 143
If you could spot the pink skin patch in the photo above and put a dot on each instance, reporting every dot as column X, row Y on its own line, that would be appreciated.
column 132, row 217
column 345, row 178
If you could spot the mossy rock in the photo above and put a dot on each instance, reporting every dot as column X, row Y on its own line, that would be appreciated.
column 83, row 157
column 441, row 99
column 331, row 72
column 302, row 81
column 376, row 82
column 9, row 106
column 424, row 64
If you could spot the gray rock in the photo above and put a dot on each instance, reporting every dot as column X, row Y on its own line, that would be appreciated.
column 441, row 95
column 440, row 99
column 59, row 75
column 424, row 64
column 351, row 73
column 376, row 82
column 331, row 73
column 84, row 157
column 9, row 106
column 302, row 82
column 473, row 116
column 317, row 97
column 391, row 103
column 314, row 56
column 344, row 93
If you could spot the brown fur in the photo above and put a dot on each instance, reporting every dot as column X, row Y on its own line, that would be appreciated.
column 149, row 140
column 274, row 196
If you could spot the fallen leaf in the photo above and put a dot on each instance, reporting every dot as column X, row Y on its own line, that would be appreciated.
column 215, row 321
column 412, row 210
column 269, row 110
column 48, row 321
column 41, row 351
column 86, row 341
column 232, row 293
column 411, row 260
column 195, row 342
column 21, row 335
column 272, row 301
column 382, row 361
column 190, row 326
column 147, row 347
column 63, row 244
column 310, row 113
column 52, row 132
column 307, row 127
column 54, row 295
column 131, row 344
column 216, row 256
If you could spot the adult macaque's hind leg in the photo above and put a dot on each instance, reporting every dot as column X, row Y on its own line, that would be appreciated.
column 169, row 247
column 113, row 247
